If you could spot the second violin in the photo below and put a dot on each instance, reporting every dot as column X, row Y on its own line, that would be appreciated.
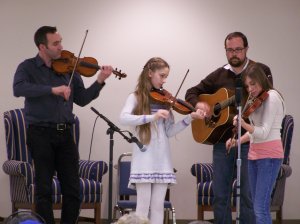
column 165, row 97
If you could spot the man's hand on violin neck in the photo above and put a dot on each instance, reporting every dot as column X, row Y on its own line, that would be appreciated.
column 63, row 91
column 104, row 73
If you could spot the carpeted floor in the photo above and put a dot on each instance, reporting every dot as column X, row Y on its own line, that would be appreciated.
column 179, row 222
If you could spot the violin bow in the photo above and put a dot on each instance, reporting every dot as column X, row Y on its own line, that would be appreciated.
column 77, row 59
column 248, row 103
column 182, row 83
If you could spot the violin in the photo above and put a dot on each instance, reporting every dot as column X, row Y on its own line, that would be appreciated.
column 164, row 97
column 254, row 104
column 87, row 66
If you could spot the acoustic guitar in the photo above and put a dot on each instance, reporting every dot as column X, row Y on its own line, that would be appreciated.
column 210, row 130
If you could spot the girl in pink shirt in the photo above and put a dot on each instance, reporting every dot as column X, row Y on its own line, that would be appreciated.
column 263, row 131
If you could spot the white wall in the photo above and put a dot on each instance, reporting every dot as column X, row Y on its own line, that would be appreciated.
column 189, row 34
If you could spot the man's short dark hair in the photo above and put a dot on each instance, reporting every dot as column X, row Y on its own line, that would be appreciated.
column 40, row 36
column 237, row 34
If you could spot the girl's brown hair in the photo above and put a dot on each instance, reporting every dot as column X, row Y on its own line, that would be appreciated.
column 257, row 74
column 142, row 91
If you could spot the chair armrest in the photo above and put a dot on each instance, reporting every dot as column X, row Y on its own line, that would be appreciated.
column 19, row 168
column 202, row 171
column 285, row 171
column 92, row 170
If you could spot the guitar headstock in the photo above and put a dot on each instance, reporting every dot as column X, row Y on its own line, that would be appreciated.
column 119, row 74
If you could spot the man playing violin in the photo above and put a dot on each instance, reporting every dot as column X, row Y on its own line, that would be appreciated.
column 49, row 99
column 236, row 47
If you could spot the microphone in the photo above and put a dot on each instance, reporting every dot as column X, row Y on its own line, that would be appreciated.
column 238, row 90
column 132, row 139
column 106, row 119
column 96, row 111
column 139, row 144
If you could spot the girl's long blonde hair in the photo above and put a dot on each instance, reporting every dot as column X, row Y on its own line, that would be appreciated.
column 142, row 91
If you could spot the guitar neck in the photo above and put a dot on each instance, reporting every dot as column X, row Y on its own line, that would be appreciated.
column 221, row 105
column 227, row 102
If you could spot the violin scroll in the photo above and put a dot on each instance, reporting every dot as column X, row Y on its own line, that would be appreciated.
column 119, row 74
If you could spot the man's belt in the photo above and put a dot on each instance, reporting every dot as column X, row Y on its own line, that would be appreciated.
column 56, row 126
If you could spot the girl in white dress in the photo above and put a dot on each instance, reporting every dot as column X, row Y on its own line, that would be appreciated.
column 152, row 170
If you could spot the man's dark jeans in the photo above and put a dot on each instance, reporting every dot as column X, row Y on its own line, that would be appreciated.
column 224, row 167
column 54, row 150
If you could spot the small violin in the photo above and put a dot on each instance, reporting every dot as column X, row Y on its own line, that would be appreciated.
column 87, row 66
column 250, row 107
column 165, row 97
column 254, row 104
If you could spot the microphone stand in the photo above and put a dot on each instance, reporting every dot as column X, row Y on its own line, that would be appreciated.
column 111, row 130
column 238, row 97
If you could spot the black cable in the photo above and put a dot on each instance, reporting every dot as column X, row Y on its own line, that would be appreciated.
column 91, row 143
column 92, row 138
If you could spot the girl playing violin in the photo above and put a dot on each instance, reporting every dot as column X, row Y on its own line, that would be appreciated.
column 152, row 170
column 266, row 150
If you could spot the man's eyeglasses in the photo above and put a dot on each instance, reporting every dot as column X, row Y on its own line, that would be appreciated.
column 237, row 50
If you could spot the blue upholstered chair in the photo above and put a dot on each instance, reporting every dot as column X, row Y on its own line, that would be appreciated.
column 126, row 197
column 204, row 177
column 20, row 168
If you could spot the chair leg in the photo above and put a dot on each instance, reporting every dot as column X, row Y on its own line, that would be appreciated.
column 200, row 213
column 279, row 215
column 13, row 208
column 173, row 216
column 166, row 216
column 97, row 213
column 114, row 215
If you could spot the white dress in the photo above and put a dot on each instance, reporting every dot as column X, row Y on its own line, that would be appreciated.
column 154, row 165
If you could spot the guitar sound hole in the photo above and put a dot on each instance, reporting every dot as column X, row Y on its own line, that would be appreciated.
column 217, row 110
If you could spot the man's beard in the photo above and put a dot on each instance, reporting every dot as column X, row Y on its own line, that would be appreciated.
column 235, row 62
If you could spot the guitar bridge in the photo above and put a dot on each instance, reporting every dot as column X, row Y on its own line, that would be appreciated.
column 210, row 123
